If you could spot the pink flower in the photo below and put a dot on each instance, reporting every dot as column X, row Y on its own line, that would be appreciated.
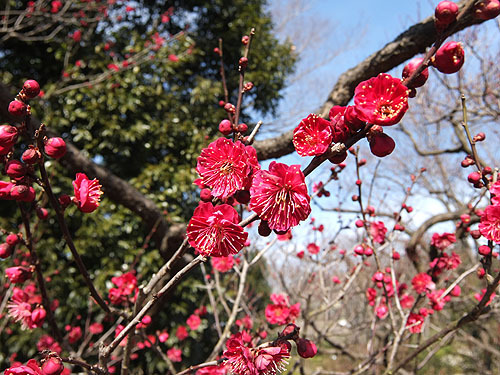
column 226, row 166
column 74, row 334
column 313, row 248
column 382, row 310
column 174, row 354
column 22, row 307
column 96, row 328
column 173, row 58
column 490, row 223
column 126, row 289
column 436, row 301
column 31, row 368
column 479, row 296
column 215, row 230
column 381, row 100
column 280, row 312
column 415, row 322
column 312, row 136
column 193, row 322
column 422, row 283
column 87, row 193
column 442, row 241
column 223, row 264
column 181, row 333
column 300, row 254
column 247, row 360
column 47, row 342
column 495, row 193
column 280, row 196
column 377, row 231
column 213, row 370
column 18, row 274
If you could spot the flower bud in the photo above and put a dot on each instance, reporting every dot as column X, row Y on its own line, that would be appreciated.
column 474, row 177
column 381, row 144
column 230, row 108
column 396, row 255
column 446, row 13
column 12, row 239
column 38, row 316
column 15, row 169
column 487, row 9
column 484, row 250
column 245, row 39
column 368, row 251
column 22, row 193
column 5, row 250
column 467, row 162
column 52, row 366
column 225, row 127
column 411, row 67
column 264, row 229
column 8, row 135
column 243, row 63
column 338, row 158
column 55, row 147
column 359, row 250
column 359, row 223
column 242, row 196
column 248, row 86
column 31, row 88
column 217, row 51
column 449, row 58
column 17, row 108
column 18, row 275
column 206, row 195
column 42, row 213
column 479, row 137
column 64, row 200
column 355, row 198
column 306, row 348
column 32, row 155
column 242, row 128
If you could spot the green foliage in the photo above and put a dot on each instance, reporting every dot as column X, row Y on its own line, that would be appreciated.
column 147, row 123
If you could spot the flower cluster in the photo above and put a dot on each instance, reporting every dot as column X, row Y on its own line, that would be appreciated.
column 280, row 312
column 126, row 289
column 381, row 100
column 25, row 306
column 245, row 359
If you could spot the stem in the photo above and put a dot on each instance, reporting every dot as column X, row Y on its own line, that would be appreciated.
column 39, row 276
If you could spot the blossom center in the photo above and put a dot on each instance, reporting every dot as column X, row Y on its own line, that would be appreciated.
column 226, row 168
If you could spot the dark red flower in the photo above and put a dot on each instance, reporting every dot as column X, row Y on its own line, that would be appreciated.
column 280, row 197
column 381, row 100
column 312, row 136
column 215, row 230
column 226, row 166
